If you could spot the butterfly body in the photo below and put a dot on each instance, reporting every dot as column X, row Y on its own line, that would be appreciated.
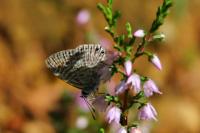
column 83, row 67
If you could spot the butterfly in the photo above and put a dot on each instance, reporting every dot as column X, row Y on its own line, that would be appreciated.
column 83, row 67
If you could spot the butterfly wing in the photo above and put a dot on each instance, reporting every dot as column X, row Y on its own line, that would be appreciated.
column 63, row 61
column 79, row 67
column 86, row 79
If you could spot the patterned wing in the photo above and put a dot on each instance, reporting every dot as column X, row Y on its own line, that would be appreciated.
column 86, row 79
column 63, row 61
column 93, row 55
column 79, row 67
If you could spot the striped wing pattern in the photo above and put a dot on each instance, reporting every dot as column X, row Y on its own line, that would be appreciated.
column 79, row 67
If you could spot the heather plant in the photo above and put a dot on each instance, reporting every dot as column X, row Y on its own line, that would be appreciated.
column 134, row 89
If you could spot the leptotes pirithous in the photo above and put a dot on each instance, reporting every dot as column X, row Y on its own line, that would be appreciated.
column 83, row 67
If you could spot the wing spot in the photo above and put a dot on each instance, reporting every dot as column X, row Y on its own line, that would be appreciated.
column 97, row 49
column 57, row 74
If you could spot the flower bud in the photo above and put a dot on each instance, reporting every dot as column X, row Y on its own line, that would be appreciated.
column 139, row 33
column 159, row 37
column 156, row 62
column 128, row 67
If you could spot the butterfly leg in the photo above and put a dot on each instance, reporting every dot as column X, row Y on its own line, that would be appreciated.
column 91, row 108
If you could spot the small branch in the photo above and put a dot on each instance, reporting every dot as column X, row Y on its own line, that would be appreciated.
column 124, row 119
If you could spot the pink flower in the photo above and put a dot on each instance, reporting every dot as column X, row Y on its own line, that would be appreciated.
column 139, row 33
column 128, row 67
column 113, row 114
column 134, row 80
column 121, row 87
column 83, row 17
column 150, row 88
column 135, row 130
column 147, row 112
column 156, row 62
column 122, row 130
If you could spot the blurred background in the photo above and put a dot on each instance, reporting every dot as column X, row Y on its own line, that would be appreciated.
column 32, row 100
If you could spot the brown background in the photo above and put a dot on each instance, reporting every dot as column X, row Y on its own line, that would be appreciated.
column 30, row 30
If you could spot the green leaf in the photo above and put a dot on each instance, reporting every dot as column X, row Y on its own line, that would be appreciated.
column 162, row 12
column 116, row 99
column 110, row 2
column 132, row 40
column 108, row 15
column 107, row 12
column 129, row 30
column 117, row 47
column 120, row 39
column 116, row 15
column 139, row 95
column 143, row 79
column 120, row 60
column 114, row 69
column 109, row 98
column 101, row 7
column 128, row 50
column 101, row 130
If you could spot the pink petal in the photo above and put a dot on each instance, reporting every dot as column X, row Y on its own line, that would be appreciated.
column 156, row 62
column 128, row 67
column 139, row 33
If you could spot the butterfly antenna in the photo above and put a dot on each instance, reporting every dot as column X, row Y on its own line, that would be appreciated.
column 91, row 108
